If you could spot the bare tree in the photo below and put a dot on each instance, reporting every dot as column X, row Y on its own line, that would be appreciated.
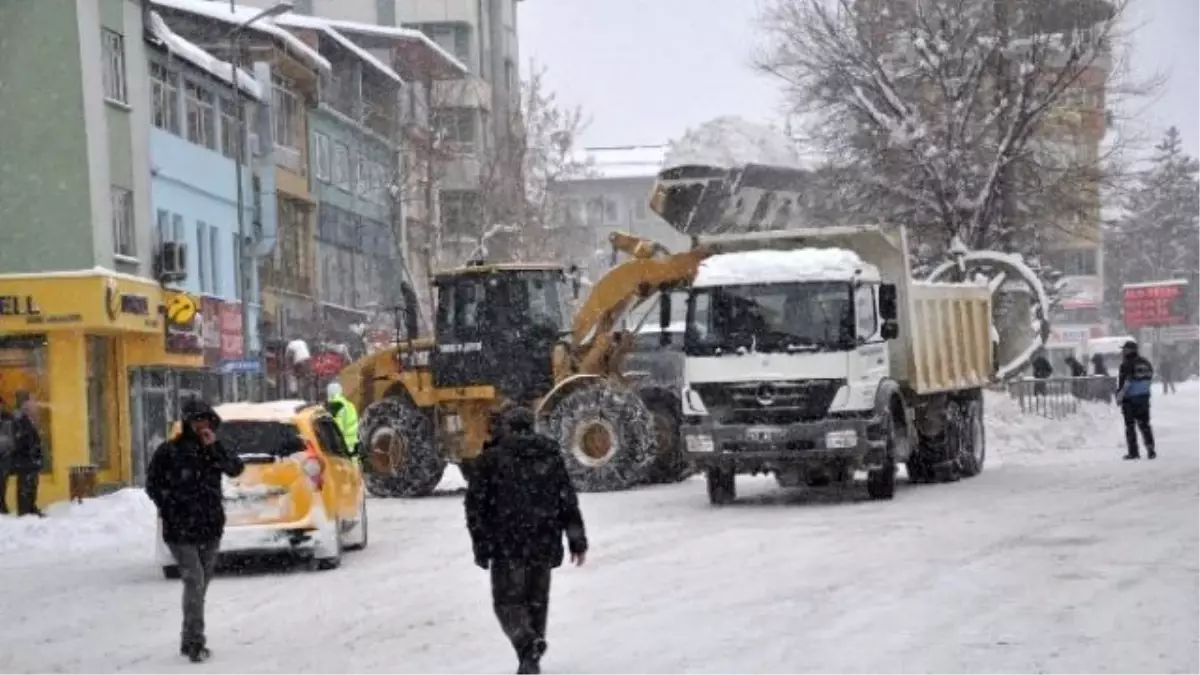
column 981, row 119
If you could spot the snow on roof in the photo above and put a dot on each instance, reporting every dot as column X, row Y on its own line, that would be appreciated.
column 773, row 266
column 189, row 52
column 314, row 23
column 270, row 411
column 732, row 141
column 238, row 15
column 395, row 33
column 632, row 161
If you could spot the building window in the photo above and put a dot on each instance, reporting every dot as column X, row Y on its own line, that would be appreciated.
column 164, row 98
column 113, row 52
column 162, row 226
column 100, row 397
column 321, row 152
column 200, row 115
column 177, row 228
column 1074, row 262
column 231, row 136
column 285, row 108
column 461, row 211
column 341, row 166
column 457, row 127
column 362, row 178
column 25, row 384
column 612, row 211
column 214, row 259
column 124, row 242
column 202, row 253
column 452, row 37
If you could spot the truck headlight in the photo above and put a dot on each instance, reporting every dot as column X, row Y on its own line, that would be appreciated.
column 847, row 438
column 699, row 443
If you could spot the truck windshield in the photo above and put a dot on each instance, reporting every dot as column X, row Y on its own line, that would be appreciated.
column 793, row 317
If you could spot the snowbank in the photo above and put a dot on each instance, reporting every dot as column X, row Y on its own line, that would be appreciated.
column 1026, row 438
column 733, row 141
column 121, row 520
column 767, row 266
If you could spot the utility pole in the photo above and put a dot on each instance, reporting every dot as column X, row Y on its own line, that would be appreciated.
column 245, row 259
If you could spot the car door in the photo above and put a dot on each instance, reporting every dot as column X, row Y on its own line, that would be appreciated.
column 344, row 482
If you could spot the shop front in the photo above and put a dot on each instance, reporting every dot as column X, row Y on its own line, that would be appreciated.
column 76, row 344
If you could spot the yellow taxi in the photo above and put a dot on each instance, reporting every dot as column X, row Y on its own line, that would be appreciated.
column 300, row 493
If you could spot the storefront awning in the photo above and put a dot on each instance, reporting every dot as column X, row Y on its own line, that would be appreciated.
column 94, row 300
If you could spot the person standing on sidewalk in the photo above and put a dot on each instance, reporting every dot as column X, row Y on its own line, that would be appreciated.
column 21, row 455
column 519, row 505
column 1133, row 393
column 184, row 482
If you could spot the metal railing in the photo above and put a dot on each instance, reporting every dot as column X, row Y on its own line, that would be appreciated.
column 1057, row 397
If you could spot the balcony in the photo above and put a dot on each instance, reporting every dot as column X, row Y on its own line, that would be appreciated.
column 470, row 92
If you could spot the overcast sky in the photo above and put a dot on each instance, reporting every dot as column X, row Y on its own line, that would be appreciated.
column 647, row 70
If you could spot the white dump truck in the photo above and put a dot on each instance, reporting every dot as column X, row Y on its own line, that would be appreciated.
column 813, row 354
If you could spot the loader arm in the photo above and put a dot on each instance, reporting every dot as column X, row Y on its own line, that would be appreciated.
column 651, row 268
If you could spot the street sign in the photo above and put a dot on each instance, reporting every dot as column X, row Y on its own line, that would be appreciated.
column 240, row 366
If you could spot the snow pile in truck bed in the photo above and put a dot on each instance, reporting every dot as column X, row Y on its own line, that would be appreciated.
column 1028, row 438
column 733, row 141
column 123, row 519
column 767, row 266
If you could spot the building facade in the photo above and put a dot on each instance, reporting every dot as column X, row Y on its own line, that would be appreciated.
column 195, row 136
column 84, row 306
column 615, row 197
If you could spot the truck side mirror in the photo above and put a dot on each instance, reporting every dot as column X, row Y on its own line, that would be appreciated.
column 890, row 330
column 887, row 303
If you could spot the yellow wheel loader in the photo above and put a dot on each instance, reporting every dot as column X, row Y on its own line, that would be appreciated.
column 503, row 332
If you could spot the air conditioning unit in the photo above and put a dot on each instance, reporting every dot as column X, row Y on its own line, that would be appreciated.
column 171, row 262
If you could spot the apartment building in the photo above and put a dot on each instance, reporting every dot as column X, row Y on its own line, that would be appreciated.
column 96, row 124
column 615, row 196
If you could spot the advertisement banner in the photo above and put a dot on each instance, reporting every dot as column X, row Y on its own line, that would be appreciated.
column 210, row 331
column 232, row 347
column 184, row 324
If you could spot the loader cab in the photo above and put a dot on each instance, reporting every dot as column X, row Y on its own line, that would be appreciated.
column 497, row 326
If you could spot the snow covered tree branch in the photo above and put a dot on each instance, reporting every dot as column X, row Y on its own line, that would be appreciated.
column 977, row 118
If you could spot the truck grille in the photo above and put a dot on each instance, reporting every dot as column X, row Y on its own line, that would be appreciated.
column 768, row 402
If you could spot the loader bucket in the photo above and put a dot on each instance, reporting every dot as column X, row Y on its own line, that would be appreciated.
column 706, row 200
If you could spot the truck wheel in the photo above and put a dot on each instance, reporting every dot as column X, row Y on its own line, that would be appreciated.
column 881, row 482
column 973, row 442
column 605, row 434
column 402, row 459
column 670, row 465
column 722, row 486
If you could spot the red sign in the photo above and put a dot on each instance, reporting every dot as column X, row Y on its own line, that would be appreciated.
column 327, row 364
column 210, row 330
column 1152, row 305
column 232, row 346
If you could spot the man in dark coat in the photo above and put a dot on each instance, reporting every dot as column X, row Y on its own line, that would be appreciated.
column 20, row 455
column 1133, row 393
column 1042, row 370
column 519, row 505
column 184, row 482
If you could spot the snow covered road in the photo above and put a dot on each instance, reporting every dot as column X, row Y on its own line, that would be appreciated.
column 1059, row 557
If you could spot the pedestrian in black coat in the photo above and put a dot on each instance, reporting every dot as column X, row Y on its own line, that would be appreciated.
column 519, row 505
column 21, row 455
column 1133, row 393
column 184, row 482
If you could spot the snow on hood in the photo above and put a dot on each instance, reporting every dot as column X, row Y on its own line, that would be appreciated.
column 126, row 518
column 733, row 141
column 768, row 266
column 1025, row 438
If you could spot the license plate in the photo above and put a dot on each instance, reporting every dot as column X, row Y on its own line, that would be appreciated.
column 762, row 434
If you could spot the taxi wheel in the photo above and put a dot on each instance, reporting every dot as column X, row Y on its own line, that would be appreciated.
column 333, row 562
column 361, row 531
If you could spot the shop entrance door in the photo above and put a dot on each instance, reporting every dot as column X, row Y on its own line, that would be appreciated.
column 152, row 410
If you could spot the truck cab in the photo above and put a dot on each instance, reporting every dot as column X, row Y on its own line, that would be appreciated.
column 785, row 352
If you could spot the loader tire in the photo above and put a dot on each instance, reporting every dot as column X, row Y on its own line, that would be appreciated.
column 670, row 464
column 606, row 436
column 402, row 458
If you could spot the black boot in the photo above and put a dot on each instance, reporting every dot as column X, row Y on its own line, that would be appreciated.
column 1151, row 454
column 530, row 658
column 197, row 653
column 1131, row 455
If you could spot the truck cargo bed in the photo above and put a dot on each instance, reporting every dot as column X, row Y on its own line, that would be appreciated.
column 951, row 346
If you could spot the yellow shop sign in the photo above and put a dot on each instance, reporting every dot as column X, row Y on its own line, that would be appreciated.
column 89, row 300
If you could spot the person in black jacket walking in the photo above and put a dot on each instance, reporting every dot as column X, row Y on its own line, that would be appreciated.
column 519, row 505
column 1133, row 393
column 184, row 482
column 21, row 455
